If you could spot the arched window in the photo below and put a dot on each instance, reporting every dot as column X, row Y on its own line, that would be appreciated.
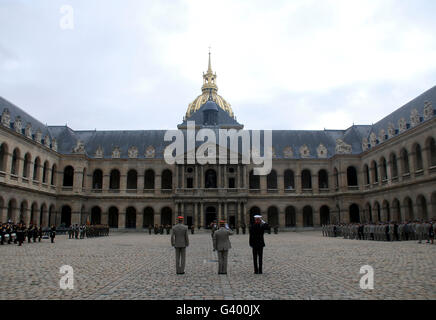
column 114, row 180
column 113, row 217
column 354, row 213
column 290, row 217
column 97, row 179
column 84, row 176
column 36, row 168
column 418, row 157
column 307, row 216
column 53, row 175
column 26, row 165
column 384, row 169
column 324, row 213
column 3, row 156
column 271, row 180
column 95, row 215
column 66, row 216
column 431, row 146
column 273, row 216
column 366, row 171
column 421, row 205
column 306, row 179
column 323, row 179
column 45, row 172
column 254, row 181
column 289, row 180
column 405, row 161
column 167, row 179
column 68, row 176
column 210, row 180
column 394, row 165
column 166, row 217
column 351, row 176
column 132, row 179
column 130, row 218
column 374, row 170
column 15, row 161
column 148, row 219
column 149, row 179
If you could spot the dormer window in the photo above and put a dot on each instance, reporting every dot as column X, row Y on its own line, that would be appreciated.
column 210, row 117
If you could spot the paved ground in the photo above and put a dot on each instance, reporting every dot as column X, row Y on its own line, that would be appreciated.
column 140, row 266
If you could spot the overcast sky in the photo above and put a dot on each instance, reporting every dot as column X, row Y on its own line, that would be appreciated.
column 294, row 64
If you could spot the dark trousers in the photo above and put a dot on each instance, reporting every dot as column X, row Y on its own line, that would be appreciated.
column 257, row 259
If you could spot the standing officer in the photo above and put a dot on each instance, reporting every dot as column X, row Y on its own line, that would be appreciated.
column 52, row 233
column 221, row 243
column 257, row 242
column 180, row 240
column 149, row 229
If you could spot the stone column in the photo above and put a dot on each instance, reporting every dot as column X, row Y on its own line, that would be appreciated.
column 158, row 183
column 141, row 181
column 202, row 214
column 298, row 217
column 104, row 218
column 195, row 220
column 123, row 180
column 106, row 179
column 263, row 184
column 316, row 218
column 139, row 220
column 426, row 160
column 121, row 220
column 78, row 179
column 219, row 211
column 195, row 182
column 156, row 218
column 315, row 183
column 226, row 217
column 282, row 218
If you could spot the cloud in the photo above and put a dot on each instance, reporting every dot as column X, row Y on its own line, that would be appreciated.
column 285, row 65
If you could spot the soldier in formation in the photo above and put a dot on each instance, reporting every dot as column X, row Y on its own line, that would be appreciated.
column 419, row 230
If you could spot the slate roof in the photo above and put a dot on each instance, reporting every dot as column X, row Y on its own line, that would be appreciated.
column 67, row 138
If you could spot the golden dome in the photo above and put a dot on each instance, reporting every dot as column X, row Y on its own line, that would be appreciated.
column 209, row 86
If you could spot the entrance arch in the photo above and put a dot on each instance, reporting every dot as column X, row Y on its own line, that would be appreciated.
column 324, row 213
column 273, row 216
column 113, row 217
column 166, row 216
column 210, row 215
column 130, row 218
column 66, row 216
column 96, row 215
column 354, row 213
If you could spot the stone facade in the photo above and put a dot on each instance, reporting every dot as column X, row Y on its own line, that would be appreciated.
column 379, row 173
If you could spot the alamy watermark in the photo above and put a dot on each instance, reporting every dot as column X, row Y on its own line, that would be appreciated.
column 67, row 279
column 249, row 148
column 67, row 19
column 367, row 280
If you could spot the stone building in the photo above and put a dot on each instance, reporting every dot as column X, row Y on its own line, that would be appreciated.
column 57, row 175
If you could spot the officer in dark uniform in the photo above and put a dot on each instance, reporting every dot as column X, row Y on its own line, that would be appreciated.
column 149, row 229
column 35, row 233
column 192, row 229
column 21, row 234
column 276, row 229
column 243, row 227
column 52, row 233
column 257, row 242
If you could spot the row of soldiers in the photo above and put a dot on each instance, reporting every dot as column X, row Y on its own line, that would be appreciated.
column 383, row 231
column 17, row 233
column 159, row 229
column 76, row 231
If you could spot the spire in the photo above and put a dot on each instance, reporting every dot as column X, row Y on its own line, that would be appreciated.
column 209, row 68
column 209, row 78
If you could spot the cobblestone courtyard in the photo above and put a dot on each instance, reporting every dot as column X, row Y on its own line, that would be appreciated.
column 140, row 266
